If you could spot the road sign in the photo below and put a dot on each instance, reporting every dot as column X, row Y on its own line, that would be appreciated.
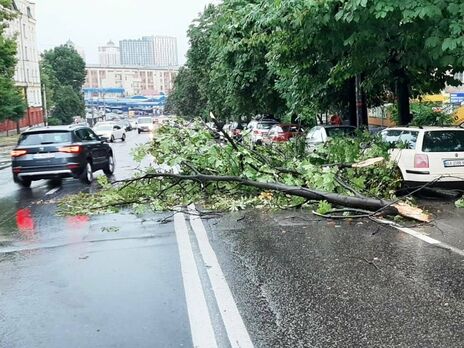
column 457, row 98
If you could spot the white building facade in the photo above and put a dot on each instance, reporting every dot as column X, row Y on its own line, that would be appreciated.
column 27, row 73
column 165, row 54
column 135, row 80
column 109, row 55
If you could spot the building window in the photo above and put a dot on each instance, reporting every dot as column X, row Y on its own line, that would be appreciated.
column 29, row 12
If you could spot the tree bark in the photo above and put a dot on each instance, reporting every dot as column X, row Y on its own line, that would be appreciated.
column 371, row 204
column 402, row 92
column 352, row 102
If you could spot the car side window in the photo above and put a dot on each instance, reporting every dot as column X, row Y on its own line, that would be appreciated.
column 316, row 136
column 92, row 135
column 86, row 135
column 408, row 139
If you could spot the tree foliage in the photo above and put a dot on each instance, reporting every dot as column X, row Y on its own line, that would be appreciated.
column 12, row 104
column 63, row 75
column 193, row 150
column 285, row 57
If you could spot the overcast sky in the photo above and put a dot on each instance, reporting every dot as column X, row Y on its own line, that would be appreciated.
column 92, row 23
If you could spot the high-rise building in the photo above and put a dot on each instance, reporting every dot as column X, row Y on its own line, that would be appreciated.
column 109, row 55
column 149, row 51
column 27, row 72
column 137, row 52
column 165, row 51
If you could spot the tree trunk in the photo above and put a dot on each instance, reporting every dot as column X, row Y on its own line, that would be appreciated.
column 402, row 92
column 17, row 127
column 366, row 203
column 352, row 102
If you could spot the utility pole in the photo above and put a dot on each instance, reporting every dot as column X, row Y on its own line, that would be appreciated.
column 44, row 104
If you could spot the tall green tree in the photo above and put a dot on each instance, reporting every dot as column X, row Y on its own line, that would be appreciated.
column 12, row 105
column 66, row 66
column 185, row 99
column 63, row 75
column 68, row 103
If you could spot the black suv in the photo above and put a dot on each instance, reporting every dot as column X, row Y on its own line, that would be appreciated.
column 58, row 152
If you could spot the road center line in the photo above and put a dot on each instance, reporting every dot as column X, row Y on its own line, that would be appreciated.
column 233, row 322
column 200, row 320
column 424, row 237
column 53, row 190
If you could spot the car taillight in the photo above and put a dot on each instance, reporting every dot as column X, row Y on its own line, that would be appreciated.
column 421, row 161
column 70, row 149
column 18, row 153
column 256, row 132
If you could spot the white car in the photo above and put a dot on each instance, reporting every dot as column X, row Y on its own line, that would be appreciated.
column 145, row 124
column 110, row 131
column 428, row 154
column 260, row 129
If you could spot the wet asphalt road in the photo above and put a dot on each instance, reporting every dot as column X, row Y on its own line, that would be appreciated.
column 120, row 280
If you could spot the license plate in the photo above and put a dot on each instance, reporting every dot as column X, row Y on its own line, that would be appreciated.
column 44, row 155
column 454, row 163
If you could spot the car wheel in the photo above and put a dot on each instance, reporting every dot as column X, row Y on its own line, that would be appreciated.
column 138, row 131
column 123, row 137
column 26, row 183
column 112, row 139
column 109, row 168
column 87, row 175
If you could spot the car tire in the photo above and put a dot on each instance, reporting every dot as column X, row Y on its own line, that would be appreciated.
column 138, row 131
column 26, row 183
column 87, row 175
column 123, row 137
column 112, row 139
column 109, row 168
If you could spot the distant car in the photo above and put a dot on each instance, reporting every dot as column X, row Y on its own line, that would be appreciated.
column 56, row 152
column 145, row 124
column 282, row 133
column 236, row 129
column 260, row 129
column 133, row 123
column 126, row 125
column 320, row 134
column 110, row 131
column 427, row 154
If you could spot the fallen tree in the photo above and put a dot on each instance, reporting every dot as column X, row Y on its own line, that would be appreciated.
column 348, row 173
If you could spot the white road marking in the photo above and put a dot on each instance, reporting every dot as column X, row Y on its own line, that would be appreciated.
column 233, row 322
column 53, row 190
column 424, row 237
column 200, row 320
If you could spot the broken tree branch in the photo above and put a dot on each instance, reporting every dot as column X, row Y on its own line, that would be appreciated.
column 371, row 204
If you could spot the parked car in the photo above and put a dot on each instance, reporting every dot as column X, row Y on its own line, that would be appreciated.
column 57, row 152
column 259, row 129
column 145, row 124
column 236, row 130
column 110, row 131
column 319, row 135
column 282, row 133
column 126, row 125
column 427, row 154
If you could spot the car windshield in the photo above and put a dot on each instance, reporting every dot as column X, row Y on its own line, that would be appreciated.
column 44, row 138
column 265, row 125
column 443, row 141
column 146, row 120
column 339, row 131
